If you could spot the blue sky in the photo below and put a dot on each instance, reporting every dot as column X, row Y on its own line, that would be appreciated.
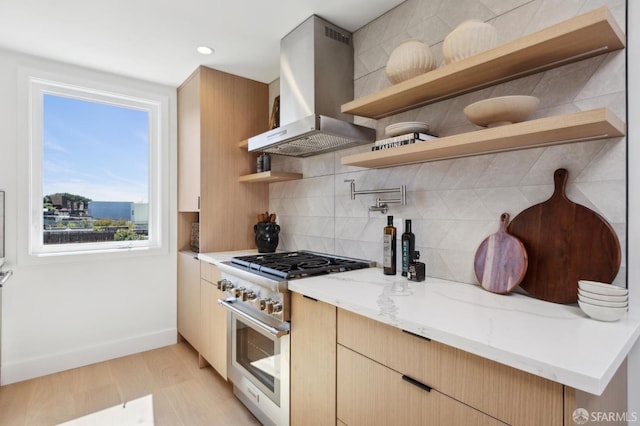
column 96, row 150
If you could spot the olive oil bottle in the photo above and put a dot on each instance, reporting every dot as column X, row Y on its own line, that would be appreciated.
column 389, row 248
column 408, row 247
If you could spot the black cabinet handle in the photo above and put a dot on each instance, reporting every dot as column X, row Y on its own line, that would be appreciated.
column 416, row 383
column 417, row 335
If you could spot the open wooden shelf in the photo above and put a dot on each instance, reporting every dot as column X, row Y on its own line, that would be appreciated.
column 269, row 177
column 576, row 127
column 591, row 34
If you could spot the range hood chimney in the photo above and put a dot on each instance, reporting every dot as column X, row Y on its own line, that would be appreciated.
column 316, row 78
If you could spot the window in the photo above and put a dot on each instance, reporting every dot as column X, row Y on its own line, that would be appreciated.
column 95, row 181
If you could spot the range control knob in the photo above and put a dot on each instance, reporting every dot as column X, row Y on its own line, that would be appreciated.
column 278, row 310
column 264, row 302
column 228, row 286
column 237, row 292
column 248, row 295
column 270, row 305
column 223, row 284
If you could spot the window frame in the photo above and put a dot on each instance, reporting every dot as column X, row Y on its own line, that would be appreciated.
column 34, row 85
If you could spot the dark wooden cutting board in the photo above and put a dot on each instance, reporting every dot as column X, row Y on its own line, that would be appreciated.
column 565, row 242
column 501, row 260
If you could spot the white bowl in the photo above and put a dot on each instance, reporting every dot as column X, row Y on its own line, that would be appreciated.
column 403, row 128
column 602, row 297
column 502, row 110
column 601, row 313
column 602, row 288
column 603, row 303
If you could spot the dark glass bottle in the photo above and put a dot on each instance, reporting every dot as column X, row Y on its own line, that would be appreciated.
column 408, row 247
column 389, row 248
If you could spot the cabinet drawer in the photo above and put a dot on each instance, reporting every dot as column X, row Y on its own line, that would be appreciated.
column 209, row 272
column 510, row 395
column 372, row 394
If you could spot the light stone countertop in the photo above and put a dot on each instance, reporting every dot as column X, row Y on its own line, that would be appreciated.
column 225, row 256
column 557, row 342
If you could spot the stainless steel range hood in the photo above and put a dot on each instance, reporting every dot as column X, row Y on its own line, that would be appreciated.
column 316, row 78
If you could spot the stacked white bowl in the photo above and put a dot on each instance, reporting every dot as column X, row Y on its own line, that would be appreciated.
column 604, row 302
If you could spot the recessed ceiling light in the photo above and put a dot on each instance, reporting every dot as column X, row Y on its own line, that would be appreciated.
column 204, row 50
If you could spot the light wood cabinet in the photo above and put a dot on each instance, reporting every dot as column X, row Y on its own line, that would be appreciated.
column 347, row 369
column 189, row 298
column 215, row 110
column 213, row 320
column 507, row 394
column 189, row 146
column 313, row 362
column 371, row 394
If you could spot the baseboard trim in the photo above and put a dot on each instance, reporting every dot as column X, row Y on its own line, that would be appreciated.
column 54, row 363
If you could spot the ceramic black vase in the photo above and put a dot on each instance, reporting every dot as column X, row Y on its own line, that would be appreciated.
column 266, row 236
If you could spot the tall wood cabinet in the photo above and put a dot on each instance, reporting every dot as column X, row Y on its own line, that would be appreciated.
column 215, row 111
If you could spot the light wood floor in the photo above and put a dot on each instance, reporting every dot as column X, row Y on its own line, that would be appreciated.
column 183, row 394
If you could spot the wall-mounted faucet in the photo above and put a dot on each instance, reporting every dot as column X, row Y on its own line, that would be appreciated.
column 381, row 204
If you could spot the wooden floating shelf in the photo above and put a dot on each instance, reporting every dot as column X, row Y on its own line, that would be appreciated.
column 591, row 34
column 243, row 144
column 269, row 177
column 576, row 127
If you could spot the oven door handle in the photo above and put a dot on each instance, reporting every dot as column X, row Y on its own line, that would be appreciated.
column 266, row 327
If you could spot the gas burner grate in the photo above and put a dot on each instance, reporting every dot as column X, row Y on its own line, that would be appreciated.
column 290, row 265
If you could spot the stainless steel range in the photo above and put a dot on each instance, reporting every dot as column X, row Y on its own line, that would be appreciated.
column 259, row 322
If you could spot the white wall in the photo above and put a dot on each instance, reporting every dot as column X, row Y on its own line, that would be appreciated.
column 633, row 64
column 60, row 315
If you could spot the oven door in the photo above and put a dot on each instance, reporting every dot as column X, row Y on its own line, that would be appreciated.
column 259, row 353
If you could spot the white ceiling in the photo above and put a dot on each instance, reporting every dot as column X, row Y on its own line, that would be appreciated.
column 156, row 40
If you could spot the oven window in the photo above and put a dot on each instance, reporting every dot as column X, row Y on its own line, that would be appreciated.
column 257, row 354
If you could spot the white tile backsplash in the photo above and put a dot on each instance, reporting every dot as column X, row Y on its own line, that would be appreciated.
column 453, row 13
column 606, row 164
column 609, row 77
column 455, row 204
column 499, row 7
column 553, row 12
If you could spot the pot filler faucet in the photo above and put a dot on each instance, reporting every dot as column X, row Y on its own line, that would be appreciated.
column 381, row 204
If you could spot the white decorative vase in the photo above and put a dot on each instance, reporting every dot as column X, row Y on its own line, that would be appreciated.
column 409, row 59
column 469, row 38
